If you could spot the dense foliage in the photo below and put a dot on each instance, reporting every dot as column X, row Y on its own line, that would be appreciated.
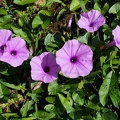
column 46, row 25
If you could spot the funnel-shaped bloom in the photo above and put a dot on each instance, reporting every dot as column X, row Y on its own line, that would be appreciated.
column 91, row 21
column 116, row 34
column 44, row 67
column 15, row 52
column 69, row 23
column 5, row 35
column 75, row 59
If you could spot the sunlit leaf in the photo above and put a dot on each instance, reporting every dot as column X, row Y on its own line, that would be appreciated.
column 23, row 2
column 49, row 107
column 26, row 107
column 43, row 115
column 66, row 102
column 78, row 97
column 115, row 8
column 5, row 19
column 104, row 89
column 36, row 21
column 3, row 11
column 75, row 4
column 19, row 32
column 53, row 88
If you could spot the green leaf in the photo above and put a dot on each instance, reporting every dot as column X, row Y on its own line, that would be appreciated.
column 115, row 97
column 78, row 97
column 1, row 92
column 93, row 102
column 49, row 39
column 75, row 4
column 26, row 107
column 20, row 13
column 4, row 92
column 3, row 11
column 109, row 116
column 97, row 7
column 64, row 87
column 53, row 88
column 1, row 117
column 53, row 42
column 84, row 38
column 36, row 21
column 98, row 116
column 60, row 13
column 66, row 102
column 23, row 2
column 46, row 22
column 104, row 89
column 19, row 32
column 34, row 96
column 102, row 60
column 9, row 115
column 41, row 19
column 5, row 19
column 46, row 12
column 115, row 8
column 50, row 99
column 50, row 2
column 114, row 91
column 28, row 118
column 21, row 22
column 105, row 8
column 19, row 87
column 49, row 107
column 43, row 115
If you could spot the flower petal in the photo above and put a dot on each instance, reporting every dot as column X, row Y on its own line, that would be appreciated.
column 83, row 59
column 35, row 63
column 16, row 43
column 91, row 21
column 84, row 67
column 48, row 78
column 38, row 65
column 37, row 75
column 116, row 32
column 83, row 22
column 13, row 61
column 21, row 52
column 69, row 70
column 5, row 35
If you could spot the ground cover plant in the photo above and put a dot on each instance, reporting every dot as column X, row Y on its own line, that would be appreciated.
column 59, row 60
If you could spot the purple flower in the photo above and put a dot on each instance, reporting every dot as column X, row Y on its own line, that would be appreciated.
column 44, row 67
column 75, row 59
column 69, row 23
column 91, row 21
column 16, row 52
column 5, row 35
column 116, row 41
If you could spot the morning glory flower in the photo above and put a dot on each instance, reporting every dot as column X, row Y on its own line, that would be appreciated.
column 5, row 35
column 44, row 67
column 15, row 52
column 69, row 23
column 91, row 21
column 75, row 59
column 116, row 34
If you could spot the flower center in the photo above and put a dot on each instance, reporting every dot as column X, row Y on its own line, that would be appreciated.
column 2, row 47
column 73, row 59
column 46, row 69
column 13, row 52
column 91, row 25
